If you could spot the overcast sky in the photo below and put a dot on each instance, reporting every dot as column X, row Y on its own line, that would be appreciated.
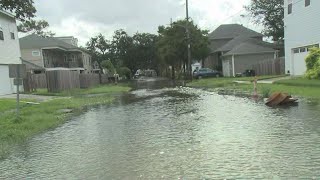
column 86, row 18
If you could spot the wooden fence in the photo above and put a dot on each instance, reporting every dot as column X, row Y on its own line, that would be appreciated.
column 89, row 80
column 58, row 81
column 34, row 81
column 270, row 67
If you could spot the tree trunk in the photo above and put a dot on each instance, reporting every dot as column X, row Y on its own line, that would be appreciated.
column 173, row 73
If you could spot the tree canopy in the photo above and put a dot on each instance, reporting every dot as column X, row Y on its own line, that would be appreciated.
column 270, row 14
column 149, row 51
column 35, row 27
column 23, row 9
column 172, row 44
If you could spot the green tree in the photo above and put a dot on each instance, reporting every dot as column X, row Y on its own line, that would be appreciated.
column 172, row 44
column 23, row 9
column 270, row 14
column 120, row 50
column 313, row 64
column 99, row 47
column 35, row 27
column 144, row 52
column 107, row 64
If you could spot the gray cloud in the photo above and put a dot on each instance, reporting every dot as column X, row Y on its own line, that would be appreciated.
column 135, row 15
column 86, row 18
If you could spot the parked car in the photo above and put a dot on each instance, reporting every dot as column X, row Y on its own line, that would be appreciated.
column 247, row 73
column 206, row 72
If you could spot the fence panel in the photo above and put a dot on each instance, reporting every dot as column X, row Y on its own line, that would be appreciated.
column 34, row 81
column 62, row 80
column 270, row 67
column 89, row 80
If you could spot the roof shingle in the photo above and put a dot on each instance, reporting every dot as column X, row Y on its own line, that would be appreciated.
column 230, row 31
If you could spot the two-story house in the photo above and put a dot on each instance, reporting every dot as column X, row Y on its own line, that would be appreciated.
column 9, row 50
column 302, row 31
column 54, row 53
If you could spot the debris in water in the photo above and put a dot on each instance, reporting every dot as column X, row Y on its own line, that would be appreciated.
column 280, row 99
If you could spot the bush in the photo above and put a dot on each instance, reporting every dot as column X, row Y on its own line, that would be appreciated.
column 108, row 65
column 124, row 71
column 313, row 64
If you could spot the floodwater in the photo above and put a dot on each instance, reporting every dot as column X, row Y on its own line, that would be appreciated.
column 158, row 132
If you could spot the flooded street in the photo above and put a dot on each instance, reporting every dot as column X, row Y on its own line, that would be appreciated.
column 176, row 133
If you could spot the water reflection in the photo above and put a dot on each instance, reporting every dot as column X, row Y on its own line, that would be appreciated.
column 173, row 133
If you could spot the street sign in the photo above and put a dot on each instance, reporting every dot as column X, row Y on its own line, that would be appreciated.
column 17, row 71
column 17, row 82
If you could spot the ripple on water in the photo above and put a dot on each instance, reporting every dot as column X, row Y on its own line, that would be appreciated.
column 176, row 133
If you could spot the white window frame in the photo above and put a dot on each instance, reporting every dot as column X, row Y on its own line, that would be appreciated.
column 35, row 53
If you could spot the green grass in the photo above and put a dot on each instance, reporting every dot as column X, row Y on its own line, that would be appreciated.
column 297, row 86
column 103, row 89
column 35, row 119
column 221, row 82
column 300, row 82
column 7, row 104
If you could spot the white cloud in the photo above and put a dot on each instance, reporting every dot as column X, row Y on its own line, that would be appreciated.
column 85, row 19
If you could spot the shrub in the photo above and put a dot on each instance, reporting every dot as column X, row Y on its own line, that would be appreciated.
column 124, row 71
column 108, row 65
column 313, row 64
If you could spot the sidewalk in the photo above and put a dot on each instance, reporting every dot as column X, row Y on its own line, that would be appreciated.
column 265, row 81
column 37, row 98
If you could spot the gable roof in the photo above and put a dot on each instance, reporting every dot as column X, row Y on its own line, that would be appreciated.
column 233, row 43
column 32, row 65
column 35, row 41
column 230, row 31
column 251, row 46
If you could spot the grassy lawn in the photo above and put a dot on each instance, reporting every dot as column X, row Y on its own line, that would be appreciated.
column 221, row 82
column 297, row 86
column 35, row 119
column 103, row 89
column 7, row 104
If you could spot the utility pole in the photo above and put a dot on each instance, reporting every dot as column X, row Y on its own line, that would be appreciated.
column 189, row 43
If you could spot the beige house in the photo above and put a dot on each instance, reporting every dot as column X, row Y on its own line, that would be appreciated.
column 55, row 53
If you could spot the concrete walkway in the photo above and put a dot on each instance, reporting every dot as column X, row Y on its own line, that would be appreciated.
column 37, row 98
column 265, row 81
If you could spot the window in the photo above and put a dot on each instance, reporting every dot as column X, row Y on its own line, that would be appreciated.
column 12, row 35
column 65, row 58
column 73, row 58
column 36, row 53
column 303, row 49
column 1, row 35
column 307, row 3
column 290, row 8
column 296, row 50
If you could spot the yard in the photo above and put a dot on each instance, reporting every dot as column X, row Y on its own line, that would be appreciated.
column 296, row 86
column 35, row 119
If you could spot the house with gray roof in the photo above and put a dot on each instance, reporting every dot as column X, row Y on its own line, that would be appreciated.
column 53, row 53
column 235, row 48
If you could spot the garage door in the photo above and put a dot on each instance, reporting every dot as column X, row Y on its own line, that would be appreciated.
column 5, row 83
column 299, row 64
